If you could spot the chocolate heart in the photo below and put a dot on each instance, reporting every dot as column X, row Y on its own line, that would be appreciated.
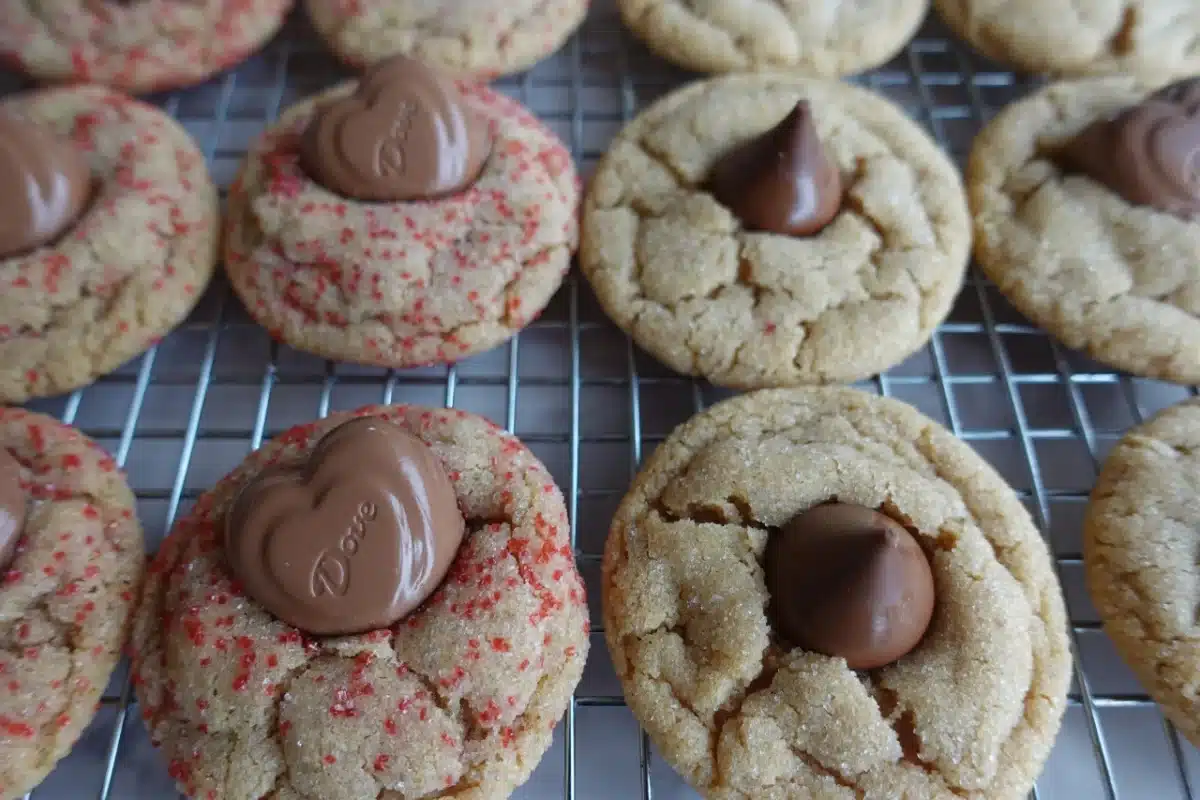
column 45, row 181
column 1149, row 153
column 354, row 538
column 403, row 134
column 12, row 507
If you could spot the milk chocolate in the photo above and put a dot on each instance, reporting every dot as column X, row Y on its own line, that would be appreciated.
column 45, row 182
column 12, row 507
column 404, row 134
column 351, row 539
column 780, row 181
column 848, row 581
column 1149, row 154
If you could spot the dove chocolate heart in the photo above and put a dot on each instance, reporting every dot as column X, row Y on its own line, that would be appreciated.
column 781, row 181
column 404, row 134
column 1149, row 154
column 352, row 539
column 45, row 181
column 12, row 507
column 848, row 581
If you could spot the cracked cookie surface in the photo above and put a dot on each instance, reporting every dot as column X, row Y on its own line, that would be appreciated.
column 826, row 40
column 477, row 39
column 1140, row 538
column 144, row 46
column 459, row 699
column 410, row 283
column 971, row 712
column 676, row 270
column 1156, row 40
column 66, row 598
column 134, row 264
column 1118, row 281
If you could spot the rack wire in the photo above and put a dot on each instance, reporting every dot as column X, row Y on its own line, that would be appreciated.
column 592, row 406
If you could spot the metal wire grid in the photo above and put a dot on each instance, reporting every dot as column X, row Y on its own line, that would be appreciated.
column 592, row 406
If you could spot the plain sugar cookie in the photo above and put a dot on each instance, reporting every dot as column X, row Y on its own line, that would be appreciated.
column 821, row 39
column 675, row 247
column 1155, row 40
column 1115, row 278
column 967, row 703
column 1140, row 538
column 481, row 39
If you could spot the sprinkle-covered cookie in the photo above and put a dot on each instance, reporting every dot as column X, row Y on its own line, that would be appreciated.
column 822, row 593
column 1155, row 40
column 135, row 45
column 71, row 562
column 763, row 230
column 825, row 40
column 1086, row 201
column 404, row 220
column 109, row 236
column 432, row 553
column 1140, row 538
column 481, row 39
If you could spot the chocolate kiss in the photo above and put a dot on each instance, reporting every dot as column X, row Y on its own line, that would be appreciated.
column 848, row 581
column 781, row 181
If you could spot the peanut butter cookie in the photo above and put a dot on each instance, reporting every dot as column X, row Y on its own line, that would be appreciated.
column 108, row 240
column 1086, row 218
column 821, row 593
column 402, row 220
column 1140, row 537
column 71, row 562
column 137, row 46
column 762, row 230
column 480, row 39
column 825, row 40
column 1155, row 40
column 339, row 526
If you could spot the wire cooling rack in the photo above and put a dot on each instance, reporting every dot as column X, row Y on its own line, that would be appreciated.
column 591, row 406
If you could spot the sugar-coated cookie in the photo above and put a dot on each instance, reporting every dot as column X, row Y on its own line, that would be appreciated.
column 71, row 563
column 433, row 521
column 137, row 46
column 767, row 591
column 109, row 237
column 406, row 219
column 770, row 230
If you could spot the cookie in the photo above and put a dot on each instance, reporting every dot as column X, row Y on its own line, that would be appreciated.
column 690, row 244
column 135, row 46
column 477, row 237
column 1139, row 553
column 825, row 40
column 1156, row 40
column 459, row 698
column 700, row 632
column 1082, row 220
column 132, row 264
column 71, row 562
column 481, row 40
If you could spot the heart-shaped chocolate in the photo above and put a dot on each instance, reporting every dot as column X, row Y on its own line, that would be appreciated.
column 405, row 133
column 1149, row 153
column 352, row 539
column 12, row 507
column 45, row 181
